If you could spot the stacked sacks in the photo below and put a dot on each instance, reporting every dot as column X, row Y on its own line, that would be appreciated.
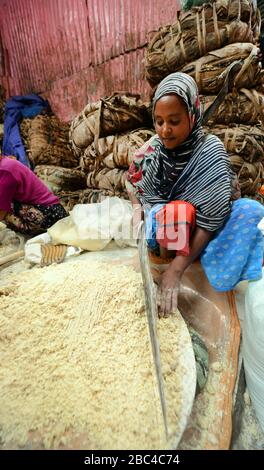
column 238, row 122
column 105, row 136
column 197, row 32
column 115, row 114
column 215, row 43
column 92, row 157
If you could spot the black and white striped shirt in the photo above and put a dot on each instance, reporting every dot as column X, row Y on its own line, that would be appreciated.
column 203, row 180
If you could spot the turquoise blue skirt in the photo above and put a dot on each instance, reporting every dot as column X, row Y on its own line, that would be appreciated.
column 236, row 252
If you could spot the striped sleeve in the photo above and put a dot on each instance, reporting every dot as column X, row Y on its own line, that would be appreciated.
column 213, row 179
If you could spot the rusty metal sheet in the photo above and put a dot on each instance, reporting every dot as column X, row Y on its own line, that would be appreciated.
column 72, row 51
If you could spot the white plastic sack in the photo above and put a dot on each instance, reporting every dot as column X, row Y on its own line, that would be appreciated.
column 92, row 226
column 253, row 345
column 33, row 252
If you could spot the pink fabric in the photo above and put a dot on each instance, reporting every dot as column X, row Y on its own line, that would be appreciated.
column 19, row 183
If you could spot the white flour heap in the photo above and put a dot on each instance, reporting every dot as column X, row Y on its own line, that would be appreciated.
column 76, row 366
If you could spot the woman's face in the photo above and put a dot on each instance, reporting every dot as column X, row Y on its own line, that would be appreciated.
column 172, row 122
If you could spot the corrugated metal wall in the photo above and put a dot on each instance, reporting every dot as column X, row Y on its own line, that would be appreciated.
column 75, row 51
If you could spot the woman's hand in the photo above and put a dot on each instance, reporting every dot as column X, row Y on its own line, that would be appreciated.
column 169, row 281
column 167, row 291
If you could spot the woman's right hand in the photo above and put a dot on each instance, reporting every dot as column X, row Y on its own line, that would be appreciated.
column 167, row 291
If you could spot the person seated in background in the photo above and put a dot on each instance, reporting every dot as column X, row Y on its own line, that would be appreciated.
column 182, row 183
column 26, row 204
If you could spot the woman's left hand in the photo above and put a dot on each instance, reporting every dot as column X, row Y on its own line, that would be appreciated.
column 167, row 292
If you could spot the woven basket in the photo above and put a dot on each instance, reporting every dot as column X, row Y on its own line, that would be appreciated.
column 46, row 140
column 115, row 114
column 61, row 179
column 114, row 151
column 197, row 32
column 246, row 141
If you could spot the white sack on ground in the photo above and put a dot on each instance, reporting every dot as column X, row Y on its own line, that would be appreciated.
column 33, row 253
column 92, row 226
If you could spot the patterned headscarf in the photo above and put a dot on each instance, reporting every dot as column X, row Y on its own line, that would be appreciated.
column 184, row 86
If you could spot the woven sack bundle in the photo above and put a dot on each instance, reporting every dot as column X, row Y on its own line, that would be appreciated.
column 106, row 178
column 194, row 34
column 70, row 198
column 115, row 151
column 246, row 141
column 243, row 106
column 59, row 178
column 46, row 140
column 250, row 175
column 112, row 115
column 210, row 71
column 244, row 9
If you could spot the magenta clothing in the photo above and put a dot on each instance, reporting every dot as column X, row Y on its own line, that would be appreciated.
column 19, row 183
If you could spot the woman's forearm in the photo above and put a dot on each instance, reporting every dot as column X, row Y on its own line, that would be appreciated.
column 198, row 242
